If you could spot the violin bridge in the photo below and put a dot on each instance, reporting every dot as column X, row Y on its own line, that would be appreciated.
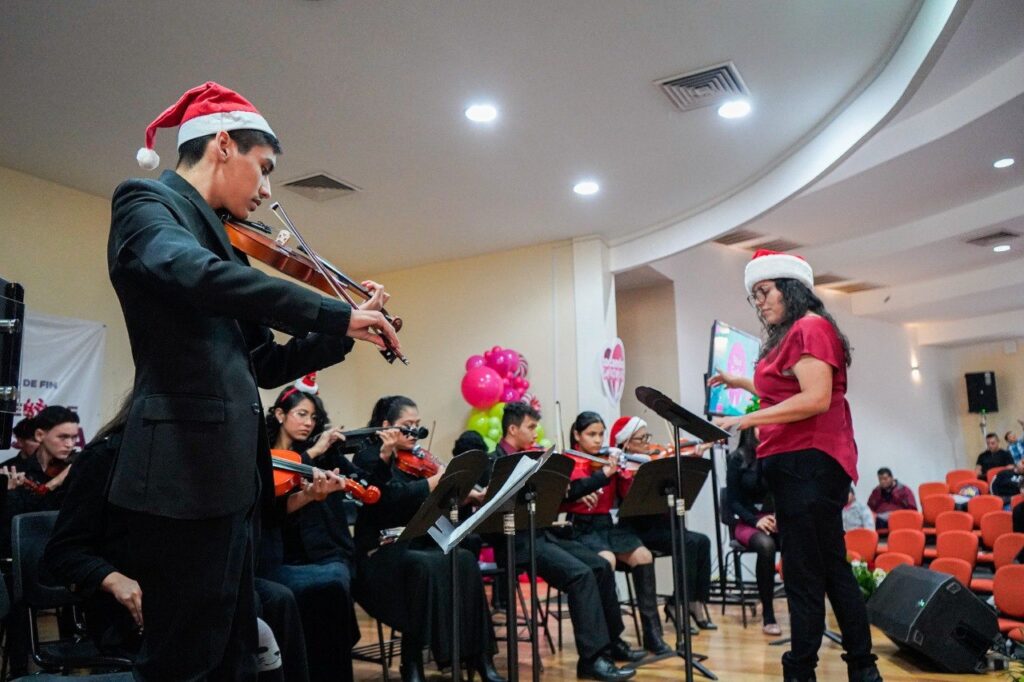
column 283, row 237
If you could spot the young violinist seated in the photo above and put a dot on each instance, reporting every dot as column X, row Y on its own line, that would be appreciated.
column 594, row 490
column 631, row 434
column 316, row 549
column 407, row 584
column 84, row 553
column 572, row 568
column 25, row 443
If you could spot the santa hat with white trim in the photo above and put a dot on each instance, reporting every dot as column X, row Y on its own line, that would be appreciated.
column 204, row 110
column 307, row 384
column 775, row 265
column 624, row 428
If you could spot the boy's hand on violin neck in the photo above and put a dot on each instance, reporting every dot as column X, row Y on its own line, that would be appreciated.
column 370, row 325
column 378, row 296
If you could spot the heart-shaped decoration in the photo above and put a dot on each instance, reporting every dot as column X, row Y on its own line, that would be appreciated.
column 613, row 370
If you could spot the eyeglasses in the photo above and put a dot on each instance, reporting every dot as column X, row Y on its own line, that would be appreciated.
column 759, row 296
column 645, row 439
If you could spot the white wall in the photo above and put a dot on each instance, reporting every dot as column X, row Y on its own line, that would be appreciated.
column 900, row 421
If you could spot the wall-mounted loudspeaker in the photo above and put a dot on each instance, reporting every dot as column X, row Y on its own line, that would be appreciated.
column 981, row 392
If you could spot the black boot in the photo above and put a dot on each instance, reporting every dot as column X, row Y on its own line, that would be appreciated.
column 620, row 651
column 647, row 602
column 788, row 678
column 412, row 665
column 603, row 669
column 484, row 665
column 869, row 674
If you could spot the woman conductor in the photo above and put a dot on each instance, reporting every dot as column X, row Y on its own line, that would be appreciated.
column 808, row 457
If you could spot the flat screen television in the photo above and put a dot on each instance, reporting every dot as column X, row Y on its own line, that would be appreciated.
column 733, row 351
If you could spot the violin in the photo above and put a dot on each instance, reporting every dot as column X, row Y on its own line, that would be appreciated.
column 417, row 462
column 256, row 241
column 606, row 456
column 57, row 466
column 417, row 432
column 289, row 472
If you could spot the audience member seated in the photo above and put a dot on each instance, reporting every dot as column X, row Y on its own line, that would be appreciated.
column 889, row 496
column 856, row 514
column 25, row 443
column 1014, row 445
column 748, row 498
column 993, row 456
column 1007, row 482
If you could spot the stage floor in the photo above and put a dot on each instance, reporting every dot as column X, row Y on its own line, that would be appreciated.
column 734, row 653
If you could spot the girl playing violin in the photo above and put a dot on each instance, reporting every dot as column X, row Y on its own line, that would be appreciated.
column 593, row 491
column 407, row 584
column 316, row 544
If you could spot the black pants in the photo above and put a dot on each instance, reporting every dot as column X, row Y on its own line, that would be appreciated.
column 656, row 534
column 199, row 601
column 589, row 582
column 810, row 489
column 281, row 612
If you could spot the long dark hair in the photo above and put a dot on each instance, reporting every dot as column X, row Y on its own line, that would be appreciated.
column 287, row 400
column 583, row 421
column 389, row 409
column 746, row 449
column 798, row 300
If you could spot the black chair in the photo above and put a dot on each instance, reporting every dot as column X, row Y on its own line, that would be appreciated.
column 736, row 552
column 33, row 589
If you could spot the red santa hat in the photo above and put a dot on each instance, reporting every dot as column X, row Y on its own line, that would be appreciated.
column 203, row 110
column 775, row 265
column 307, row 384
column 624, row 428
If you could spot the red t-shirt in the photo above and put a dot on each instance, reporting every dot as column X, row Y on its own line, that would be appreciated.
column 831, row 431
column 619, row 485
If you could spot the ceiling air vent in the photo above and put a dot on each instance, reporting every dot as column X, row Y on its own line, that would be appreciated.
column 321, row 187
column 854, row 287
column 775, row 245
column 711, row 86
column 829, row 278
column 993, row 238
column 738, row 236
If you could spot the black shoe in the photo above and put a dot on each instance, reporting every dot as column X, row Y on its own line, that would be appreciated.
column 484, row 665
column 812, row 678
column 670, row 616
column 620, row 651
column 869, row 674
column 656, row 645
column 602, row 668
column 704, row 624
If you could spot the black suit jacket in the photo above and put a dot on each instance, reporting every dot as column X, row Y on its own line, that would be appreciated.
column 198, row 320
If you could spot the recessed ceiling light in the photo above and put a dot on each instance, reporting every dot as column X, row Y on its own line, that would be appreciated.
column 586, row 187
column 1003, row 163
column 482, row 113
column 737, row 108
column 1001, row 248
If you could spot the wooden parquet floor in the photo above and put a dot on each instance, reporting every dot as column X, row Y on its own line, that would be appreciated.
column 734, row 654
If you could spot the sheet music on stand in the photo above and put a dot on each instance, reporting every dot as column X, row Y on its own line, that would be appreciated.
column 448, row 536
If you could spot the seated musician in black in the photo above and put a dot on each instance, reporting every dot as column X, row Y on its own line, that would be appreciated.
column 81, row 554
column 406, row 584
column 573, row 568
column 25, row 443
column 317, row 546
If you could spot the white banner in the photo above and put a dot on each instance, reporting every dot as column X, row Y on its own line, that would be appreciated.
column 62, row 364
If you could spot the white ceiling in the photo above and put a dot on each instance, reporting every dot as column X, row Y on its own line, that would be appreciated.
column 373, row 93
column 898, row 210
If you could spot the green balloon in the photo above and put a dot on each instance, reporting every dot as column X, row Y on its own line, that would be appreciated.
column 545, row 443
column 479, row 421
column 540, row 432
column 494, row 434
column 493, row 423
column 491, row 444
column 497, row 410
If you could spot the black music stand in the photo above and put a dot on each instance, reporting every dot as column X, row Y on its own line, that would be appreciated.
column 536, row 506
column 681, row 420
column 12, row 329
column 454, row 485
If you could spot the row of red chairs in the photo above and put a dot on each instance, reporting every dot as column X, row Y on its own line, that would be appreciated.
column 956, row 480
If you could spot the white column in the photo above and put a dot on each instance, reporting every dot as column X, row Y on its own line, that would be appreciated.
column 594, row 298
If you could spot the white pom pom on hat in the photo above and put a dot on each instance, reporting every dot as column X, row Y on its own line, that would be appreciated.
column 307, row 384
column 206, row 109
column 775, row 265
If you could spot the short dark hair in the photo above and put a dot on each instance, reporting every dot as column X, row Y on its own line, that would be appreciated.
column 389, row 409
column 25, row 429
column 190, row 153
column 885, row 470
column 468, row 441
column 52, row 416
column 514, row 415
column 991, row 435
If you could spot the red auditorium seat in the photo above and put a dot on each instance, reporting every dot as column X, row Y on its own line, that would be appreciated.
column 956, row 478
column 907, row 541
column 891, row 560
column 947, row 521
column 1006, row 550
column 958, row 568
column 931, row 488
column 993, row 472
column 863, row 542
column 932, row 506
column 1008, row 590
column 958, row 544
column 980, row 505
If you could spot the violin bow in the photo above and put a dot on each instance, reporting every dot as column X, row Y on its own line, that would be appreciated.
column 389, row 353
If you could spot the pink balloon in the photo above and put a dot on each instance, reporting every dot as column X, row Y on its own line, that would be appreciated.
column 526, row 385
column 509, row 396
column 500, row 363
column 518, row 382
column 497, row 349
column 474, row 361
column 481, row 387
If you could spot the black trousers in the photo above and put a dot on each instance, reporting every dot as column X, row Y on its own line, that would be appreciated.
column 281, row 612
column 589, row 582
column 198, row 597
column 656, row 534
column 810, row 490
column 407, row 586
